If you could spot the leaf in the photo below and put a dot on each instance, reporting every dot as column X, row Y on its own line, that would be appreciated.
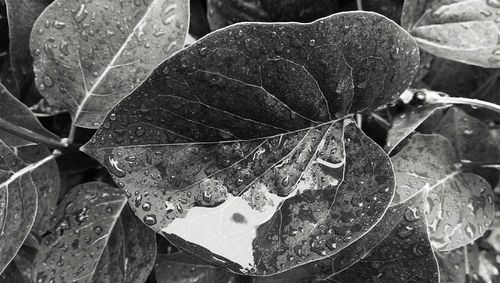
column 88, row 56
column 130, row 253
column 48, row 183
column 405, row 255
column 22, row 14
column 18, row 204
column 14, row 112
column 81, row 228
column 182, row 268
column 327, row 268
column 241, row 141
column 407, row 122
column 463, row 31
column 223, row 13
column 460, row 205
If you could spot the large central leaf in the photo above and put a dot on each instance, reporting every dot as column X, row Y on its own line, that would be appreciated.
column 238, row 148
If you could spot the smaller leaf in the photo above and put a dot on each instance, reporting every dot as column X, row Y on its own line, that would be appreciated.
column 180, row 267
column 47, row 181
column 460, row 205
column 18, row 204
column 463, row 31
column 404, row 256
column 14, row 112
column 82, row 225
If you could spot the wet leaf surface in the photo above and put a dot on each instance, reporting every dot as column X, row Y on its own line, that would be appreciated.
column 89, row 55
column 223, row 13
column 130, row 253
column 18, row 204
column 405, row 255
column 463, row 31
column 13, row 111
column 22, row 14
column 180, row 267
column 237, row 136
column 47, row 181
column 81, row 228
column 460, row 205
column 404, row 124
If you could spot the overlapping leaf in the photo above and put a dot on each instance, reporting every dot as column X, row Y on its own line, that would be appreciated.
column 14, row 112
column 464, row 31
column 18, row 204
column 460, row 205
column 236, row 136
column 22, row 14
column 81, row 228
column 89, row 55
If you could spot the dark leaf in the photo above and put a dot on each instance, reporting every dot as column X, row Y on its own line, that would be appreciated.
column 18, row 204
column 182, row 268
column 14, row 112
column 198, row 24
column 81, row 228
column 130, row 253
column 87, row 57
column 22, row 14
column 460, row 205
column 404, row 256
column 237, row 136
column 223, row 13
column 463, row 31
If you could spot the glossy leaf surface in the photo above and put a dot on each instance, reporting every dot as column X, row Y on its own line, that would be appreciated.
column 236, row 135
column 463, row 31
column 89, row 55
column 81, row 228
column 460, row 205
column 18, row 204
column 13, row 111
column 405, row 255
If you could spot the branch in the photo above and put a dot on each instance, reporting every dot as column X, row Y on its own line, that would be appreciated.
column 30, row 135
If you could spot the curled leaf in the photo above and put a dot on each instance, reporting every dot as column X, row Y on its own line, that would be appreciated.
column 89, row 55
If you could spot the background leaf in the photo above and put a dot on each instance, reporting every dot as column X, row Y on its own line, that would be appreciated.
column 87, row 57
column 463, row 31
column 211, row 140
column 22, row 14
column 80, row 232
column 18, row 204
column 14, row 112
column 460, row 205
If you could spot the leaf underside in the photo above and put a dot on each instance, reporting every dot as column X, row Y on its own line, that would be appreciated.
column 88, row 56
column 245, row 137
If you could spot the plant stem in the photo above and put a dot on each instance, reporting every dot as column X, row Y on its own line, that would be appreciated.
column 434, row 97
column 71, row 136
column 30, row 135
column 359, row 4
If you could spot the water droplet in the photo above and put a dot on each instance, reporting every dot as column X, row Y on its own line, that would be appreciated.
column 468, row 132
column 146, row 206
column 81, row 14
column 59, row 25
column 312, row 42
column 150, row 219
column 98, row 230
column 412, row 214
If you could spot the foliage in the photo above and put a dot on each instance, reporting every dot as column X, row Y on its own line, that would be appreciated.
column 249, row 141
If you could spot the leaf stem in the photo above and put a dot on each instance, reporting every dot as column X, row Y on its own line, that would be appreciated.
column 435, row 97
column 30, row 135
column 359, row 4
column 71, row 136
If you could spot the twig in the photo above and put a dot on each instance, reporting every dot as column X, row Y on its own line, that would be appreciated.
column 71, row 136
column 30, row 135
